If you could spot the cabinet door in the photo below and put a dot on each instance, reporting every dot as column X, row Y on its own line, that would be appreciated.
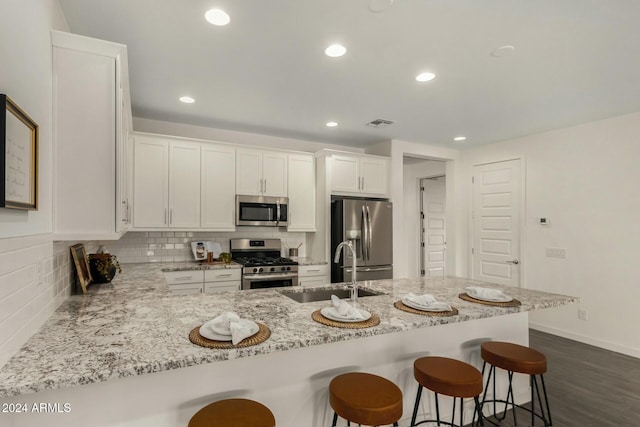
column 184, row 185
column 374, row 175
column 249, row 172
column 218, row 193
column 302, row 193
column 151, row 179
column 274, row 174
column 345, row 174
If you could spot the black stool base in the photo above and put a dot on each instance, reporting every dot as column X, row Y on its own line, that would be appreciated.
column 477, row 411
column 335, row 421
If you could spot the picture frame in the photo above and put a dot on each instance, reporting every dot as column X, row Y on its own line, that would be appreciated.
column 18, row 157
column 80, row 260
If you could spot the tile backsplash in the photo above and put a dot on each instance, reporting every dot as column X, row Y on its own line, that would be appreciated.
column 167, row 246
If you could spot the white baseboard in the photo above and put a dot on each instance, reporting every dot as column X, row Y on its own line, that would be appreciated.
column 607, row 345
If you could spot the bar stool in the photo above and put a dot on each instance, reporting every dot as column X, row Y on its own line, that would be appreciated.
column 233, row 413
column 365, row 399
column 449, row 377
column 524, row 360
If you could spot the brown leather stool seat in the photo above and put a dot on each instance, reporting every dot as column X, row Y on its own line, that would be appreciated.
column 365, row 399
column 515, row 358
column 450, row 377
column 233, row 413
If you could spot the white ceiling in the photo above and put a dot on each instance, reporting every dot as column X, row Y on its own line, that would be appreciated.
column 575, row 61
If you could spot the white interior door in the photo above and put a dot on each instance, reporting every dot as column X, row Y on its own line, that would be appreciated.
column 433, row 226
column 496, row 222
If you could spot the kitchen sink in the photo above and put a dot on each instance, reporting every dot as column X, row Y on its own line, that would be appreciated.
column 313, row 295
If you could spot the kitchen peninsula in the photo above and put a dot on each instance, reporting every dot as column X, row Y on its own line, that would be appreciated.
column 96, row 350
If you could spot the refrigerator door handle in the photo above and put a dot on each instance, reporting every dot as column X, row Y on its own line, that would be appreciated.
column 369, row 233
column 364, row 231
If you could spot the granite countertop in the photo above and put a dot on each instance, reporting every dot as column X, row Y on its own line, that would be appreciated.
column 197, row 265
column 303, row 260
column 134, row 326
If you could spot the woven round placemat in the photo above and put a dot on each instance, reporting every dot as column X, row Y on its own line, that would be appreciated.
column 401, row 306
column 513, row 303
column 259, row 337
column 372, row 321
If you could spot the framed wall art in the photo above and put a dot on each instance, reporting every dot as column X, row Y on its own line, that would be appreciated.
column 18, row 157
column 80, row 260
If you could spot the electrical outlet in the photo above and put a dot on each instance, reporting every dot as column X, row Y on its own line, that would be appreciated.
column 582, row 314
column 556, row 252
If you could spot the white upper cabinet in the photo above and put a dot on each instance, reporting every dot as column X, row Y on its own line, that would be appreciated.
column 218, row 192
column 359, row 175
column 261, row 173
column 302, row 192
column 166, row 183
column 92, row 117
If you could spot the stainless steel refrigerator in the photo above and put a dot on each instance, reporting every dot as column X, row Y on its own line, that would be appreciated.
column 369, row 223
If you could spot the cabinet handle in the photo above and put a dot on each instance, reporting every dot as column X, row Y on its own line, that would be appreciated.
column 313, row 269
column 223, row 275
column 261, row 190
column 170, row 216
column 184, row 278
column 362, row 183
column 165, row 215
column 265, row 185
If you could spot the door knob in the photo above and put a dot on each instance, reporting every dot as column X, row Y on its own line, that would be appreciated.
column 514, row 261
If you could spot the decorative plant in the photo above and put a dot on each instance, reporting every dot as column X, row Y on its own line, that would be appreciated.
column 103, row 267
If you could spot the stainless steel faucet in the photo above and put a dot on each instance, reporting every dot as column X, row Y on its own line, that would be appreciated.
column 349, row 244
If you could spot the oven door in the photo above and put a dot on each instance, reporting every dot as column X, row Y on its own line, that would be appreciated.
column 256, row 281
column 262, row 211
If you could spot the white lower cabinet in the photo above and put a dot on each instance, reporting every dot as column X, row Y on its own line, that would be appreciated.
column 208, row 281
column 222, row 280
column 313, row 275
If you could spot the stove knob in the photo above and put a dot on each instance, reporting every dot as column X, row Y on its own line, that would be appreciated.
column 255, row 270
column 260, row 270
column 288, row 268
column 282, row 268
column 273, row 269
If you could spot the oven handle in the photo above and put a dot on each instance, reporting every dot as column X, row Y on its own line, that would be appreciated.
column 261, row 278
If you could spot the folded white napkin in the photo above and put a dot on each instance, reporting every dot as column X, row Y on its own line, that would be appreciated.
column 477, row 291
column 427, row 301
column 230, row 324
column 344, row 309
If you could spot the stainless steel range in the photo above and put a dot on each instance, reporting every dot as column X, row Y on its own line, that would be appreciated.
column 263, row 267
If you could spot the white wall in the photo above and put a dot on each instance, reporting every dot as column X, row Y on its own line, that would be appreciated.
column 233, row 137
column 585, row 179
column 34, row 276
column 413, row 172
column 398, row 150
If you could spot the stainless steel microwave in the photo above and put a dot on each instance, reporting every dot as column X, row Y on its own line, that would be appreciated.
column 262, row 211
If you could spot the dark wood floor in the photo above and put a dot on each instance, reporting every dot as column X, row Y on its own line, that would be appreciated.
column 587, row 386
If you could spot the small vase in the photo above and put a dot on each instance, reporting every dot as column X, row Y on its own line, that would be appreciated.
column 97, row 276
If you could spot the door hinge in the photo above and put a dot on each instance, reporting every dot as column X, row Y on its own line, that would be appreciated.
column 421, row 188
column 422, row 244
column 422, row 272
column 422, row 215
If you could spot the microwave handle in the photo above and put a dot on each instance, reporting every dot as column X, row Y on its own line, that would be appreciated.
column 277, row 212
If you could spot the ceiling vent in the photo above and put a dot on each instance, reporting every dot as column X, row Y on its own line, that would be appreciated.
column 380, row 123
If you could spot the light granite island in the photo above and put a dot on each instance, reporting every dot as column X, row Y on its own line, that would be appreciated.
column 120, row 355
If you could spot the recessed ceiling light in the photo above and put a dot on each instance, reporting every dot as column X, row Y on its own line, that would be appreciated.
column 335, row 50
column 425, row 77
column 332, row 124
column 187, row 99
column 460, row 138
column 217, row 17
column 502, row 51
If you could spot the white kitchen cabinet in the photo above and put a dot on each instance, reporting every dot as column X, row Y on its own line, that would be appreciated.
column 361, row 175
column 261, row 173
column 313, row 275
column 187, row 282
column 91, row 127
column 218, row 192
column 220, row 280
column 302, row 192
column 166, row 183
